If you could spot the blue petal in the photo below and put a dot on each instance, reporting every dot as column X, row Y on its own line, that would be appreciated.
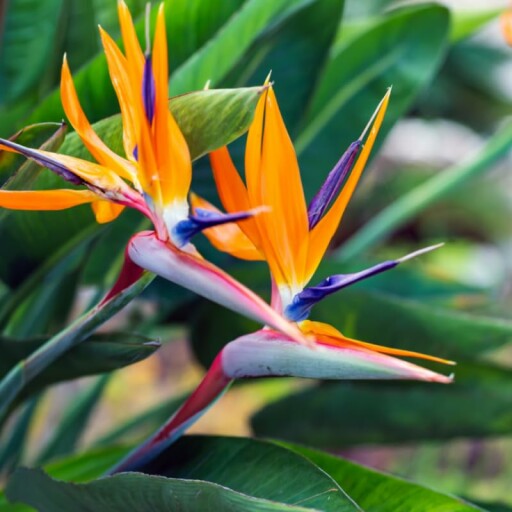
column 203, row 219
column 148, row 89
column 332, row 185
column 301, row 305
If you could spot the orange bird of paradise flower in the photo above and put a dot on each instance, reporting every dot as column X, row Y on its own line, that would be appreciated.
column 292, row 237
column 153, row 177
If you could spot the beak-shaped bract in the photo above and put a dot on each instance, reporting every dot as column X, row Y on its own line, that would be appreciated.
column 190, row 270
column 267, row 353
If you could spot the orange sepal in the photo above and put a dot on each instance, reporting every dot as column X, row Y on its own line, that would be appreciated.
column 273, row 181
column 105, row 211
column 232, row 191
column 45, row 200
column 134, row 55
column 506, row 26
column 171, row 149
column 98, row 149
column 228, row 237
column 328, row 334
column 129, row 103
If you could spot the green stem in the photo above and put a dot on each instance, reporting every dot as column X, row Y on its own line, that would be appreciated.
column 415, row 201
column 60, row 262
column 26, row 370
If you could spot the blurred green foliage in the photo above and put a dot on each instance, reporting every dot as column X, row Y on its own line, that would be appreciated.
column 331, row 62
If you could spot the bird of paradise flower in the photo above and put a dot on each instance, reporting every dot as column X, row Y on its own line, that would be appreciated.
column 154, row 177
column 292, row 238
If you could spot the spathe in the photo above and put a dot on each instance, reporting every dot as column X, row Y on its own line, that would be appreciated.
column 266, row 353
column 190, row 270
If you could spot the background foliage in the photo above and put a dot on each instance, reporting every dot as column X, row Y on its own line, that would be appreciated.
column 435, row 178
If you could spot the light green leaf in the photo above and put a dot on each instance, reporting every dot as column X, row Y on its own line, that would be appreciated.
column 208, row 119
column 252, row 467
column 379, row 492
column 464, row 23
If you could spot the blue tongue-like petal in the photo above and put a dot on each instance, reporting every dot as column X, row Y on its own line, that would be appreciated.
column 204, row 219
column 302, row 303
column 332, row 185
column 148, row 89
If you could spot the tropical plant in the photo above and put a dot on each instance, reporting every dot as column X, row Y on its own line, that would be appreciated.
column 331, row 65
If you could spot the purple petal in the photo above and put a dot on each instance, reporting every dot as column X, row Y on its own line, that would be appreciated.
column 204, row 219
column 300, row 308
column 45, row 161
column 332, row 185
column 148, row 89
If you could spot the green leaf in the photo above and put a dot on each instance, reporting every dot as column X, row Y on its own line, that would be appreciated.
column 303, row 37
column 100, row 353
column 345, row 414
column 27, row 41
column 205, row 41
column 26, row 370
column 214, row 60
column 427, row 193
column 48, row 275
column 403, row 49
column 379, row 492
column 141, row 492
column 208, row 119
column 12, row 448
column 72, row 425
column 252, row 467
column 465, row 23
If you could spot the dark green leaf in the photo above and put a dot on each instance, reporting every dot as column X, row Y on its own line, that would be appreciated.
column 205, row 47
column 379, row 492
column 11, row 450
column 304, row 38
column 26, row 370
column 252, row 467
column 98, row 354
column 27, row 41
column 403, row 50
column 141, row 492
column 336, row 415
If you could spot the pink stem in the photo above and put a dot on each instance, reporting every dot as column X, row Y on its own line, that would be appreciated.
column 214, row 383
column 130, row 273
